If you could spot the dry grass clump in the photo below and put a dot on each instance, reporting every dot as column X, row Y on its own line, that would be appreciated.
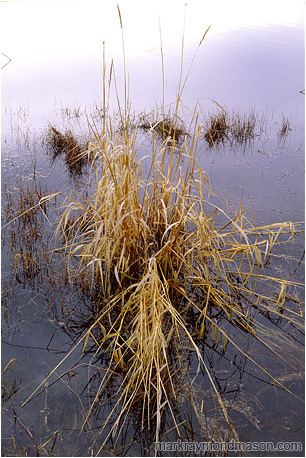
column 235, row 127
column 285, row 127
column 242, row 126
column 8, row 392
column 147, row 241
column 217, row 128
column 65, row 144
column 168, row 126
column 162, row 272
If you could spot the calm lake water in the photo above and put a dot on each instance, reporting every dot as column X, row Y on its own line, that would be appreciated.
column 244, row 67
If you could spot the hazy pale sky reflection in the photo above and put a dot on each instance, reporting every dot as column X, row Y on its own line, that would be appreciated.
column 43, row 29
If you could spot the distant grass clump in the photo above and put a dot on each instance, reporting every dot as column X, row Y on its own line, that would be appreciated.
column 236, row 127
column 65, row 144
column 217, row 128
column 242, row 127
column 285, row 127
column 165, row 127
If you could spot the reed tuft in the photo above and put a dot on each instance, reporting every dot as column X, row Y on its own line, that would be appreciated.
column 65, row 144
column 148, row 240
column 165, row 266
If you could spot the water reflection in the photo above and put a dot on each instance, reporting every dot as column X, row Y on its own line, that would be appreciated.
column 66, row 397
column 237, row 67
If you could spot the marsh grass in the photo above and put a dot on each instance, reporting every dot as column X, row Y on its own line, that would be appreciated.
column 147, row 241
column 285, row 127
column 243, row 126
column 217, row 128
column 236, row 127
column 164, row 274
column 167, row 126
column 8, row 392
column 66, row 145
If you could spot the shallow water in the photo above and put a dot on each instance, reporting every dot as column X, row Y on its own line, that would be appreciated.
column 243, row 67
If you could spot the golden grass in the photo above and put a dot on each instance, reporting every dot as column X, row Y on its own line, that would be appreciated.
column 147, row 237
column 148, row 241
